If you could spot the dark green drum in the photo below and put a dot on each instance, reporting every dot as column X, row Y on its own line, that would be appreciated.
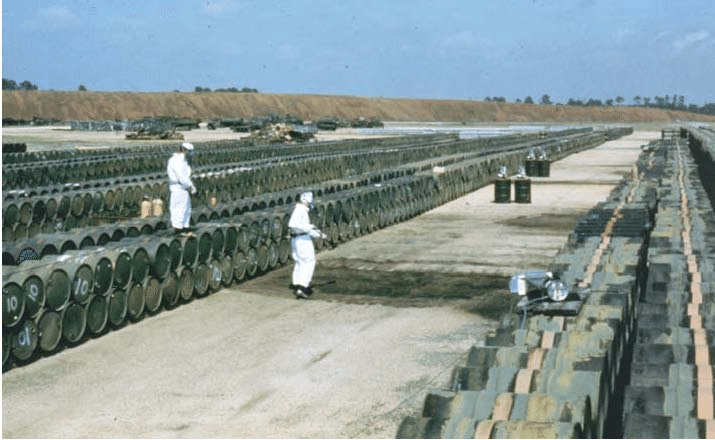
column 58, row 289
column 50, row 327
column 215, row 269
column 118, row 305
column 544, row 168
column 522, row 190
column 239, row 265
column 532, row 167
column 24, row 340
column 136, row 301
column 186, row 283
column 502, row 191
column 97, row 313
column 202, row 276
column 13, row 304
column 74, row 322
column 34, row 296
column 152, row 294
column 170, row 289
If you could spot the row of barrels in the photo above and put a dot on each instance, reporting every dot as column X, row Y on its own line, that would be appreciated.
column 227, row 186
column 247, row 148
column 207, row 154
column 124, row 163
column 73, row 216
column 345, row 160
column 260, row 240
column 672, row 358
column 338, row 201
column 240, row 150
column 23, row 217
column 16, row 194
column 292, row 164
column 8, row 148
column 555, row 375
column 26, row 217
column 217, row 152
column 249, row 177
column 68, row 297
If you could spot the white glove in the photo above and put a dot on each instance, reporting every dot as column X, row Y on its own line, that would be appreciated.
column 193, row 190
column 323, row 236
column 315, row 233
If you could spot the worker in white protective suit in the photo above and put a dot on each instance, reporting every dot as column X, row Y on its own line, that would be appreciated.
column 303, row 252
column 180, row 185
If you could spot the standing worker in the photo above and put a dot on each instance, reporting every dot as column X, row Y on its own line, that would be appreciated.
column 303, row 253
column 180, row 185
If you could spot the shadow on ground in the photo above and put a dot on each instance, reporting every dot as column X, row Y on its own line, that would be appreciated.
column 484, row 295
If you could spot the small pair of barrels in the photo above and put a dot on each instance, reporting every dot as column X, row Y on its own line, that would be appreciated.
column 538, row 167
column 502, row 190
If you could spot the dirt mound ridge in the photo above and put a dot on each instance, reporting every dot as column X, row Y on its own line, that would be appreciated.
column 75, row 105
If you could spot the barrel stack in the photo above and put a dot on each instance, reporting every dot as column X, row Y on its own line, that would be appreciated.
column 635, row 362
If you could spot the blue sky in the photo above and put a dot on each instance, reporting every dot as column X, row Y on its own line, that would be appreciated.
column 413, row 49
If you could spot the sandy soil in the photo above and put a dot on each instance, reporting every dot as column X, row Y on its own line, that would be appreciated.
column 394, row 312
column 88, row 105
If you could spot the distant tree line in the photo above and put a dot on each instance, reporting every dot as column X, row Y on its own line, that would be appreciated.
column 674, row 102
column 10, row 84
column 667, row 102
column 230, row 89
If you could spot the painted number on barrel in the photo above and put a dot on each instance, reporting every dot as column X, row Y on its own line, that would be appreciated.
column 12, row 304
column 81, row 288
column 34, row 292
column 23, row 338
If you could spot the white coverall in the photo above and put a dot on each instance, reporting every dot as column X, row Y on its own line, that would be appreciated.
column 180, row 185
column 301, row 245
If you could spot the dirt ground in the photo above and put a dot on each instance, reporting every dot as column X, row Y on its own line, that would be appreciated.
column 89, row 105
column 394, row 312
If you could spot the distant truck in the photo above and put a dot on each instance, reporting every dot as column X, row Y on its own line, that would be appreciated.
column 150, row 134
column 363, row 122
column 327, row 124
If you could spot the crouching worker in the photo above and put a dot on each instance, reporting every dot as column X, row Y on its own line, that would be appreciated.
column 303, row 252
column 180, row 185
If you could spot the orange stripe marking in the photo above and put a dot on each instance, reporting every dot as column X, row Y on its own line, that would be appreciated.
column 502, row 406
column 522, row 385
column 484, row 429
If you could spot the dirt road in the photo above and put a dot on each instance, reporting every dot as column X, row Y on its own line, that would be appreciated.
column 250, row 361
